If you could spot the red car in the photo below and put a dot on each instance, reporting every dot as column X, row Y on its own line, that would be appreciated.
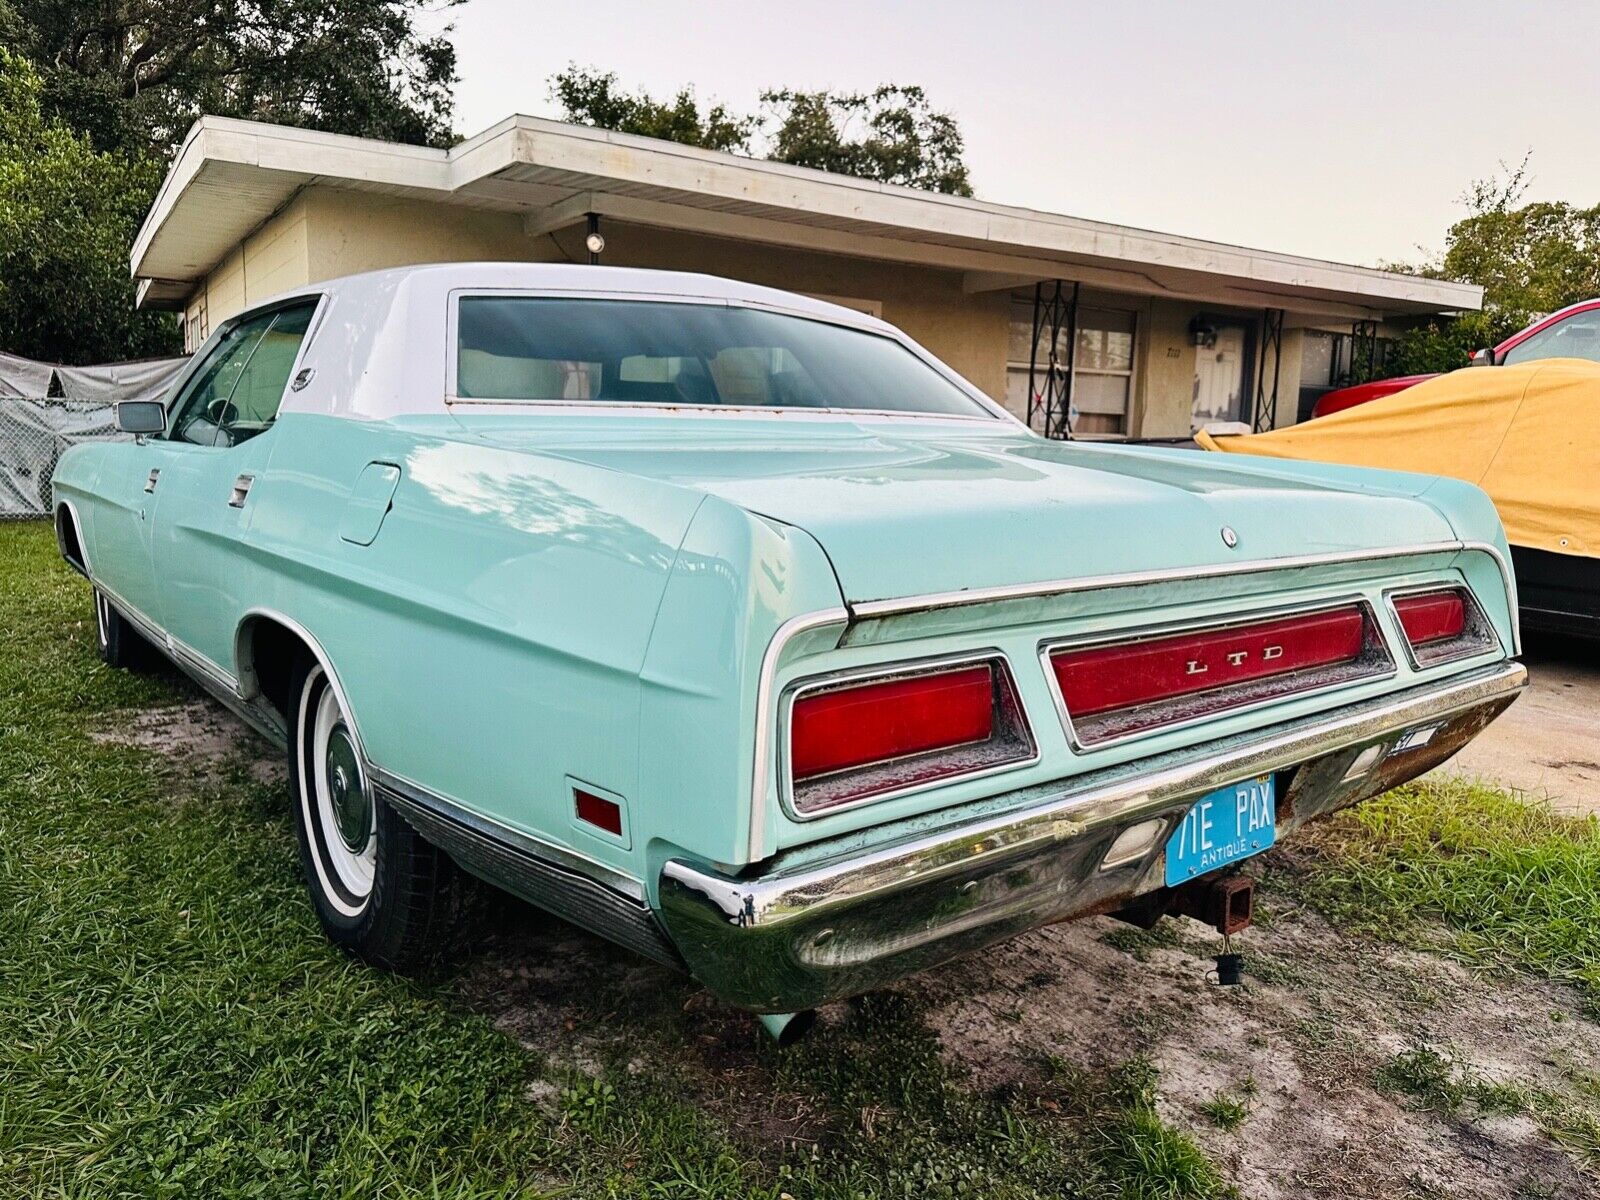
column 1573, row 332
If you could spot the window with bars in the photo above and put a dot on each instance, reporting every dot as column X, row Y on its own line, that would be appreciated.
column 1102, row 369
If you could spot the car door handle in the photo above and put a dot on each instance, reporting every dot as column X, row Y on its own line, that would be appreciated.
column 155, row 478
column 241, row 490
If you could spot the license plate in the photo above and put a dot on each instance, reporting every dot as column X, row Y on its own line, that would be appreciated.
column 1229, row 824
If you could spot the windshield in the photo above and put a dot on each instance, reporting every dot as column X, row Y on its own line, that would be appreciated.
column 526, row 348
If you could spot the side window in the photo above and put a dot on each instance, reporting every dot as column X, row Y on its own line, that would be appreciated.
column 1576, row 337
column 236, row 391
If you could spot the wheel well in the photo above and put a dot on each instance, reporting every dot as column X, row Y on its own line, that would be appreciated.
column 267, row 651
column 67, row 539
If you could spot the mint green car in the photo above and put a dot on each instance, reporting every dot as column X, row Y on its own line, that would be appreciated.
column 733, row 626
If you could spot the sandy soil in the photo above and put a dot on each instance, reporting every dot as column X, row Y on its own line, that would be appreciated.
column 1321, row 1013
column 197, row 734
column 1547, row 744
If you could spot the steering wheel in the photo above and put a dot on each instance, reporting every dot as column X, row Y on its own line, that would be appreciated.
column 221, row 411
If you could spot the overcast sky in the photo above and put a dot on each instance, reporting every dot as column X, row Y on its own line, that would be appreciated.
column 1345, row 131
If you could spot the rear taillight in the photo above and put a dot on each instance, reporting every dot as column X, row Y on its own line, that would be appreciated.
column 853, row 741
column 1431, row 617
column 1442, row 625
column 1115, row 690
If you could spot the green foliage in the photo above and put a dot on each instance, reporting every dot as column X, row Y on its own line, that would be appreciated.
column 134, row 74
column 591, row 97
column 890, row 134
column 175, row 1024
column 67, row 216
column 903, row 141
column 1530, row 259
column 1517, row 884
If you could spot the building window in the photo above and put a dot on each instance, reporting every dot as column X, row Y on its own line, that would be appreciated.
column 1102, row 369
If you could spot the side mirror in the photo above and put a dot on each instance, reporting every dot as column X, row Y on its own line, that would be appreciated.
column 1483, row 358
column 140, row 417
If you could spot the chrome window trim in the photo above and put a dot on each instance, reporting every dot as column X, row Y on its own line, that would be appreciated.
column 863, row 674
column 202, row 353
column 1049, row 646
column 989, row 410
column 1494, row 644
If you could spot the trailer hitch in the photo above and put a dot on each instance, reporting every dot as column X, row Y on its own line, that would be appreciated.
column 1228, row 905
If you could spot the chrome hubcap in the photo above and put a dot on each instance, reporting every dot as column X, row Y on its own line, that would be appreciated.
column 347, row 792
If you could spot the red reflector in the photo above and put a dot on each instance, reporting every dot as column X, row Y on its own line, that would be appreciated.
column 871, row 722
column 1104, row 678
column 1433, row 617
column 598, row 811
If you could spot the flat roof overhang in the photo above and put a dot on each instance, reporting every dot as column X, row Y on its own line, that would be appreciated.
column 230, row 176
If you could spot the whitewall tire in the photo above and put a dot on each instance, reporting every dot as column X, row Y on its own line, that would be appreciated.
column 380, row 890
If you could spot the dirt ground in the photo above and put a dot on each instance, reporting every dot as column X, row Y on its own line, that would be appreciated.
column 1300, row 1046
column 1547, row 744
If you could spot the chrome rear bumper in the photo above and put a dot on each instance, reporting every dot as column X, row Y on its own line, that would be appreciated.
column 813, row 928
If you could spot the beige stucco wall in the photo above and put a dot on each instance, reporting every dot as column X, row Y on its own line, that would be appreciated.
column 326, row 232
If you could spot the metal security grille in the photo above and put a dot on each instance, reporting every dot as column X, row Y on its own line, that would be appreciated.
column 1050, row 365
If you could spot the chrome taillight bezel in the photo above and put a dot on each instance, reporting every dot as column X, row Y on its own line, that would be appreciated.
column 1377, row 664
column 1477, row 635
column 1022, row 748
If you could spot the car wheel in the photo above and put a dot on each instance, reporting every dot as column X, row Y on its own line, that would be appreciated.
column 119, row 643
column 380, row 890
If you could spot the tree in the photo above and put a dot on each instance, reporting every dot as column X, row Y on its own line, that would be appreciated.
column 901, row 139
column 68, row 213
column 904, row 141
column 1530, row 259
column 591, row 97
column 134, row 74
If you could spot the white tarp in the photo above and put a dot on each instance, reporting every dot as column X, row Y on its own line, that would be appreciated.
column 36, row 426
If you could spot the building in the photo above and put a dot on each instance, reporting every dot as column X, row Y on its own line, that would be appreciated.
column 1081, row 327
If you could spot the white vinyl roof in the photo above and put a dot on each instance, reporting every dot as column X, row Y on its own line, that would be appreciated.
column 230, row 176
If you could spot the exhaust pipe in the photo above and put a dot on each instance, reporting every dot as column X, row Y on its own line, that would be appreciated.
column 788, row 1028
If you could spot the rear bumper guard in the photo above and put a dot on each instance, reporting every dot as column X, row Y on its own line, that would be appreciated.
column 795, row 937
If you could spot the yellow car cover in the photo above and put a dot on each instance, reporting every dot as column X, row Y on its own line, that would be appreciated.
column 1528, row 435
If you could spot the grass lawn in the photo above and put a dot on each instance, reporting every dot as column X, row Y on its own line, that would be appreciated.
column 172, row 1022
column 1513, row 884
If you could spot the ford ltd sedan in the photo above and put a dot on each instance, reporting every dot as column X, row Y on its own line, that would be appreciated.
column 733, row 626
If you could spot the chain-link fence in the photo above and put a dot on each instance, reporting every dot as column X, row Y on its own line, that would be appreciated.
column 33, row 435
column 45, row 408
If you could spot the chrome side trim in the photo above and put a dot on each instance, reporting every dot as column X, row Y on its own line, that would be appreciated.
column 77, row 528
column 573, row 887
column 879, row 671
column 766, row 718
column 248, row 687
column 832, row 920
column 419, row 797
column 1509, row 578
column 868, row 609
column 1255, row 616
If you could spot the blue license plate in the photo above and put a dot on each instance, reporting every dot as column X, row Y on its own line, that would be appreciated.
column 1229, row 824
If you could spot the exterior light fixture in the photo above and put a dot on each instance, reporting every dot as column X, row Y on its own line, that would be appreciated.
column 594, row 242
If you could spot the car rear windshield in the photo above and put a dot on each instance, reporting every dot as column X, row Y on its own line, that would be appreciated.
column 525, row 348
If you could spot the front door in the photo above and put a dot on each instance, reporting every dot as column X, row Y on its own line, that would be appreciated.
column 1219, row 379
column 219, row 439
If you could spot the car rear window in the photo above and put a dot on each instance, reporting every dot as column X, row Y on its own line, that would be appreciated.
column 530, row 349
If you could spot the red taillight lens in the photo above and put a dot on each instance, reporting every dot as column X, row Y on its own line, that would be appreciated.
column 850, row 742
column 598, row 811
column 1129, row 687
column 1432, row 617
column 1109, row 677
column 835, row 730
